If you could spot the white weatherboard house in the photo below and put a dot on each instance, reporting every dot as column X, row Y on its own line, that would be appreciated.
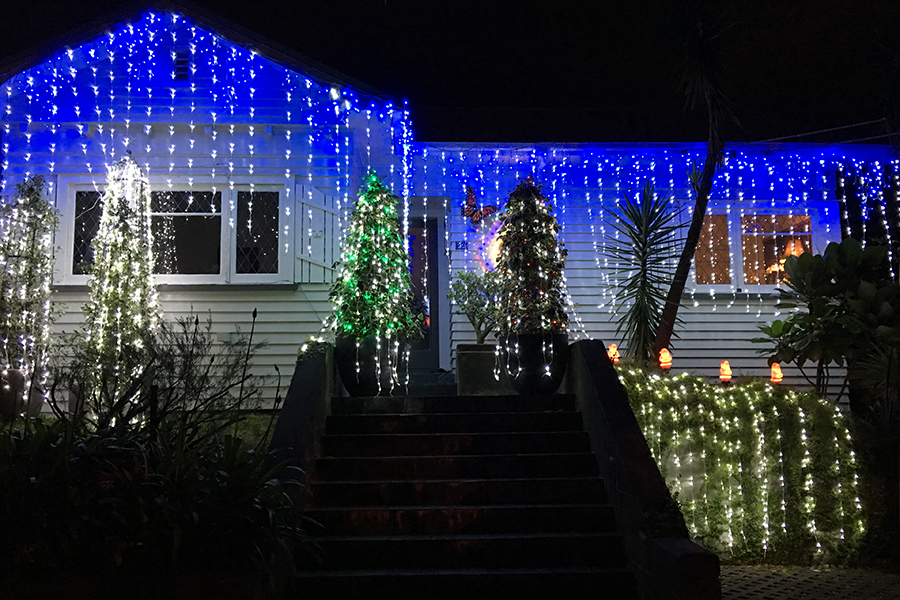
column 255, row 155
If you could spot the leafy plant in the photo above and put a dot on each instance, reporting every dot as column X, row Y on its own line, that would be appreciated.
column 154, row 484
column 848, row 309
column 372, row 295
column 27, row 226
column 531, row 264
column 122, row 310
column 760, row 472
column 644, row 253
column 476, row 296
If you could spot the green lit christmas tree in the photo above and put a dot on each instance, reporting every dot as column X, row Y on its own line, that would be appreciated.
column 372, row 295
column 27, row 226
column 122, row 312
column 531, row 264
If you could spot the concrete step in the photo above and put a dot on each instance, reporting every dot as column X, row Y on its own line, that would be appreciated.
column 462, row 492
column 492, row 466
column 436, row 444
column 573, row 583
column 479, row 519
column 451, row 404
column 468, row 551
column 454, row 423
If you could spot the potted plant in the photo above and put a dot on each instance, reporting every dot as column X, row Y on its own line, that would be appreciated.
column 373, row 317
column 476, row 296
column 533, row 340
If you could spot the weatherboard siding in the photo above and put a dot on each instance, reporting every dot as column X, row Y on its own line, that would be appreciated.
column 285, row 319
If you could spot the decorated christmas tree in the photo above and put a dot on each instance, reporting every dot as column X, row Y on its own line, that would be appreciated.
column 27, row 226
column 372, row 295
column 531, row 264
column 122, row 312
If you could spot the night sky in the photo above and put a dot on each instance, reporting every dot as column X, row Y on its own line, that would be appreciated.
column 599, row 71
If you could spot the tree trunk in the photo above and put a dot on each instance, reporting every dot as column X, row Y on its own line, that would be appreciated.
column 703, row 188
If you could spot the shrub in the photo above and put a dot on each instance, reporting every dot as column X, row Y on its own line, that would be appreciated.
column 760, row 472
column 154, row 484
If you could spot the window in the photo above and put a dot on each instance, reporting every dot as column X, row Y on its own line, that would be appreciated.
column 198, row 236
column 712, row 260
column 766, row 240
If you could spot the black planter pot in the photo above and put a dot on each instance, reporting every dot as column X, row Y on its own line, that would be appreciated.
column 525, row 358
column 376, row 374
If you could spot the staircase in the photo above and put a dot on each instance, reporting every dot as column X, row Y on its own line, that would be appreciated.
column 462, row 497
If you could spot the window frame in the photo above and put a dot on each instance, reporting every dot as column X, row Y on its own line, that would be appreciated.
column 819, row 213
column 68, row 186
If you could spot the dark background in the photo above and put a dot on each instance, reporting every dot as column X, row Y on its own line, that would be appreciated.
column 601, row 70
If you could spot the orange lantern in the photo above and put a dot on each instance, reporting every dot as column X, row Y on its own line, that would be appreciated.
column 777, row 375
column 613, row 354
column 665, row 359
column 725, row 372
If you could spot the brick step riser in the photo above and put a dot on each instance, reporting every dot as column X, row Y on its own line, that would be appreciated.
column 463, row 520
column 525, row 586
column 457, row 404
column 465, row 493
column 606, row 550
column 456, row 467
column 448, row 444
column 454, row 423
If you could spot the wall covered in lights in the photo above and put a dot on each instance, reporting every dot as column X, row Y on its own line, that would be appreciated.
column 254, row 157
column 767, row 203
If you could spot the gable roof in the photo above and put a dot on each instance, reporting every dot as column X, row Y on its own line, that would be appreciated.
column 240, row 36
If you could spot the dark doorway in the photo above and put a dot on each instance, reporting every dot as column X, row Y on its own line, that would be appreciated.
column 423, row 242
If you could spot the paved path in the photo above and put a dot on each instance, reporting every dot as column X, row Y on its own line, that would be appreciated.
column 799, row 583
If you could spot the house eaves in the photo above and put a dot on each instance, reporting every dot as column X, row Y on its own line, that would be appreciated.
column 233, row 33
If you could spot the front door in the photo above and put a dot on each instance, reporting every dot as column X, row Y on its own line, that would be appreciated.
column 423, row 242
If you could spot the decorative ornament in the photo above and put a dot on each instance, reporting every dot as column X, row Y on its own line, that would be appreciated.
column 613, row 353
column 725, row 372
column 777, row 375
column 665, row 359
column 471, row 208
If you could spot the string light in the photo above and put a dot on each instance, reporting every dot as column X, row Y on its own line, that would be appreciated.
column 755, row 443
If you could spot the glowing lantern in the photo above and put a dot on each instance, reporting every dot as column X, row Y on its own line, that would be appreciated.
column 777, row 375
column 725, row 372
column 665, row 359
column 613, row 354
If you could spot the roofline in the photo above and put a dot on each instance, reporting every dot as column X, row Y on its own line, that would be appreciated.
column 232, row 32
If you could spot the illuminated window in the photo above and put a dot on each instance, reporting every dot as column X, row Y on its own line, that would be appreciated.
column 767, row 241
column 712, row 260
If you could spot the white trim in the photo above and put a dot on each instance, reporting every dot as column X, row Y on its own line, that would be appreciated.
column 68, row 185
column 734, row 211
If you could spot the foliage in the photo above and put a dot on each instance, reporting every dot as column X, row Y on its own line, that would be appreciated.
column 27, row 226
column 122, row 312
column 761, row 473
column 154, row 485
column 850, row 310
column 372, row 294
column 476, row 296
column 531, row 264
column 644, row 254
